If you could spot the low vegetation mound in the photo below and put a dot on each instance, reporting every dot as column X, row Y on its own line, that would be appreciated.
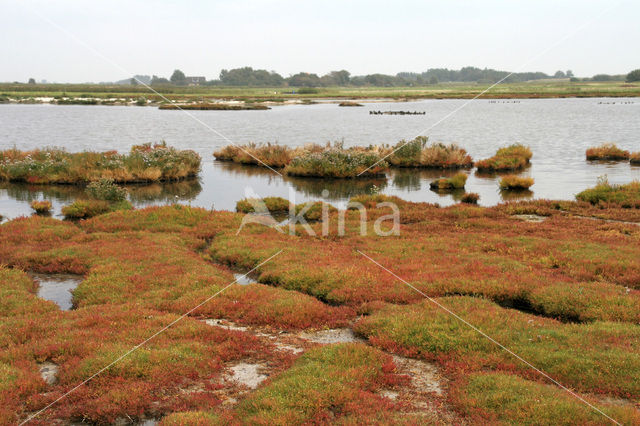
column 263, row 205
column 470, row 198
column 634, row 158
column 214, row 106
column 516, row 182
column 513, row 157
column 104, row 197
column 627, row 196
column 337, row 163
column 145, row 163
column 455, row 182
column 41, row 207
column 272, row 155
column 416, row 153
column 607, row 151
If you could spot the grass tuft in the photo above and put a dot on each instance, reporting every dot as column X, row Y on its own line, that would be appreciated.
column 41, row 207
column 455, row 182
column 516, row 182
column 626, row 196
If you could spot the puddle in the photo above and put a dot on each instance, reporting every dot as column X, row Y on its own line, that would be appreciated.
column 534, row 218
column 247, row 374
column 336, row 335
column 49, row 372
column 244, row 279
column 57, row 288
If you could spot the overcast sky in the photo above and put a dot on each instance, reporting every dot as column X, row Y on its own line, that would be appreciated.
column 288, row 36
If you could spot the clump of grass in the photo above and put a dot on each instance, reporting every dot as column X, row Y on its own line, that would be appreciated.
column 455, row 182
column 509, row 399
column 272, row 155
column 106, row 190
column 516, row 182
column 273, row 205
column 41, row 207
column 470, row 198
column 84, row 209
column 313, row 210
column 634, row 158
column 145, row 163
column 104, row 197
column 607, row 151
column 338, row 379
column 627, row 196
column 513, row 157
column 337, row 163
column 416, row 153
column 350, row 104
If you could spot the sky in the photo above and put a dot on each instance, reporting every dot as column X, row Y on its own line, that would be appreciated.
column 92, row 41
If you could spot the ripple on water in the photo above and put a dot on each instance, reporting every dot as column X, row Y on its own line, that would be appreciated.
column 57, row 288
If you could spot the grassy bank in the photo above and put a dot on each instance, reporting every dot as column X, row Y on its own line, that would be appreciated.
column 539, row 89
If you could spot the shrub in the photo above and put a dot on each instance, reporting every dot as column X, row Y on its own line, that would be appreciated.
column 416, row 153
column 516, row 182
column 634, row 158
column 350, row 104
column 513, row 157
column 607, row 151
column 41, row 207
column 624, row 195
column 84, row 209
column 337, row 163
column 106, row 190
column 273, row 205
column 470, row 198
column 455, row 182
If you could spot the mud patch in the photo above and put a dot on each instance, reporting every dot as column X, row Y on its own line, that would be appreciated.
column 248, row 375
column 57, row 288
column 49, row 372
column 533, row 218
column 335, row 335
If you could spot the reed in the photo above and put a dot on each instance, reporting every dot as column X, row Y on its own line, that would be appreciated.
column 515, row 182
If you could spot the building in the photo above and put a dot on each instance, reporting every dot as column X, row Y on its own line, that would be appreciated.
column 195, row 81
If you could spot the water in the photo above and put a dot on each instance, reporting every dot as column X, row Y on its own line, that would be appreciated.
column 557, row 130
column 57, row 288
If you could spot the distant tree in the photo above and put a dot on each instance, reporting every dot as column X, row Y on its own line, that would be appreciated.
column 159, row 80
column 304, row 79
column 32, row 80
column 134, row 82
column 247, row 76
column 433, row 80
column 559, row 74
column 569, row 73
column 178, row 78
column 633, row 76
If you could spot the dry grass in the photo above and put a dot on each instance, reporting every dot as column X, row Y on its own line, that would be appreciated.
column 513, row 157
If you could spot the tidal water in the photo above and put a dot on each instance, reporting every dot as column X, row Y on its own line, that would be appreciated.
column 557, row 130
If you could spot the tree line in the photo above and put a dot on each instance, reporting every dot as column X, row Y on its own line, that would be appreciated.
column 247, row 76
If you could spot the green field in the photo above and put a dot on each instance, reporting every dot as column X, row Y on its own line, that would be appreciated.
column 537, row 89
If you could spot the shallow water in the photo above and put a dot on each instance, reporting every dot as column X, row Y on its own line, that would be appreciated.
column 558, row 131
column 57, row 288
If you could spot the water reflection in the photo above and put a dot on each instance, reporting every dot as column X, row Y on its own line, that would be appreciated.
column 164, row 192
column 337, row 189
column 28, row 192
column 515, row 194
column 412, row 179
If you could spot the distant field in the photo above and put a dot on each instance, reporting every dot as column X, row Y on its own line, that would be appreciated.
column 539, row 89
